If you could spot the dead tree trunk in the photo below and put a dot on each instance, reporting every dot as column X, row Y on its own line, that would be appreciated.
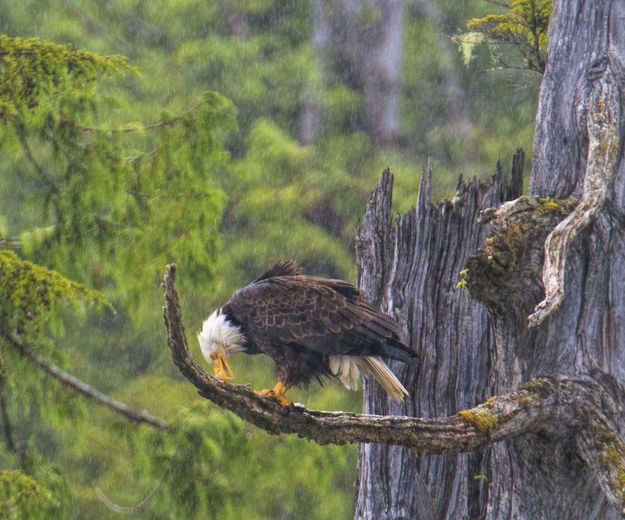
column 410, row 267
column 363, row 46
column 549, row 280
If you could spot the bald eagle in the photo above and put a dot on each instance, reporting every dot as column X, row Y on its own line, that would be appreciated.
column 312, row 327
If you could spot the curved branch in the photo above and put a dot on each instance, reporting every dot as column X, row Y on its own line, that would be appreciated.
column 138, row 416
column 603, row 121
column 143, row 504
column 566, row 408
column 65, row 119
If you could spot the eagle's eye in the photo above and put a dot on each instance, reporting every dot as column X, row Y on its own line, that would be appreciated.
column 213, row 356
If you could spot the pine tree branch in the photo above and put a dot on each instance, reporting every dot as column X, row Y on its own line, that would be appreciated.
column 568, row 409
column 47, row 180
column 78, row 385
column 131, row 129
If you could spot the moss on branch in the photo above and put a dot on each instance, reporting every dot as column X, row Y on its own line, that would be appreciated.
column 480, row 417
column 507, row 270
column 567, row 409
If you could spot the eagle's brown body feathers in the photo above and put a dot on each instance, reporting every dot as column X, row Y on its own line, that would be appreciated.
column 302, row 321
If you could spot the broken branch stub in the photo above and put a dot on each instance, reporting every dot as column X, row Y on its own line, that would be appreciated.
column 601, row 111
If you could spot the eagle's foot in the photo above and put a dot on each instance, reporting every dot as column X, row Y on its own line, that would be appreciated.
column 277, row 393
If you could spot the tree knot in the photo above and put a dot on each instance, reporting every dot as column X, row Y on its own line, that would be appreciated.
column 507, row 270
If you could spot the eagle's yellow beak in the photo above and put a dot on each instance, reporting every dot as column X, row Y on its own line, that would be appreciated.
column 222, row 367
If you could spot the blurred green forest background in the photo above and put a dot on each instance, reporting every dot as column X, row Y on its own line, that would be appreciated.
column 222, row 136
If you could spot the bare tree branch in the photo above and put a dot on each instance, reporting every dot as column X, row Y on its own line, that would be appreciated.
column 130, row 129
column 603, row 120
column 71, row 381
column 565, row 408
column 6, row 421
column 10, row 243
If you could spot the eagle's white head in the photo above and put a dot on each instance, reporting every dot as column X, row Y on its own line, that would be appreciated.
column 218, row 339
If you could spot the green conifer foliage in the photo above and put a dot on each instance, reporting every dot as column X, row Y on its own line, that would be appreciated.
column 521, row 24
column 116, row 204
column 33, row 70
column 87, row 190
column 109, row 205
column 23, row 497
column 30, row 292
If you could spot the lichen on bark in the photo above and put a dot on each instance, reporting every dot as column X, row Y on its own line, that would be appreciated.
column 506, row 270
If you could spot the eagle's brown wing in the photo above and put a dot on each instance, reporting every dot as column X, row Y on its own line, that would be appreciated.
column 283, row 268
column 320, row 314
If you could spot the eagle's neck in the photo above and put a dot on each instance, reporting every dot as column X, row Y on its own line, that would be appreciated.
column 219, row 330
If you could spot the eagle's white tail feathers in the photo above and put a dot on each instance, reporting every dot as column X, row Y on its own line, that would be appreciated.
column 335, row 364
column 348, row 369
column 383, row 375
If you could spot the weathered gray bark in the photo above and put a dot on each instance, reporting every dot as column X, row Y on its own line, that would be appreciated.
column 410, row 268
column 578, row 322
column 582, row 35
column 547, row 273
column 574, row 301
column 364, row 46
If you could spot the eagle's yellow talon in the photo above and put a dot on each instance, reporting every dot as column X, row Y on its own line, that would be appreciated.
column 277, row 393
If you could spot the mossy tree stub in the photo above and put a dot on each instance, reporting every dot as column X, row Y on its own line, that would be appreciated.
column 557, row 257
